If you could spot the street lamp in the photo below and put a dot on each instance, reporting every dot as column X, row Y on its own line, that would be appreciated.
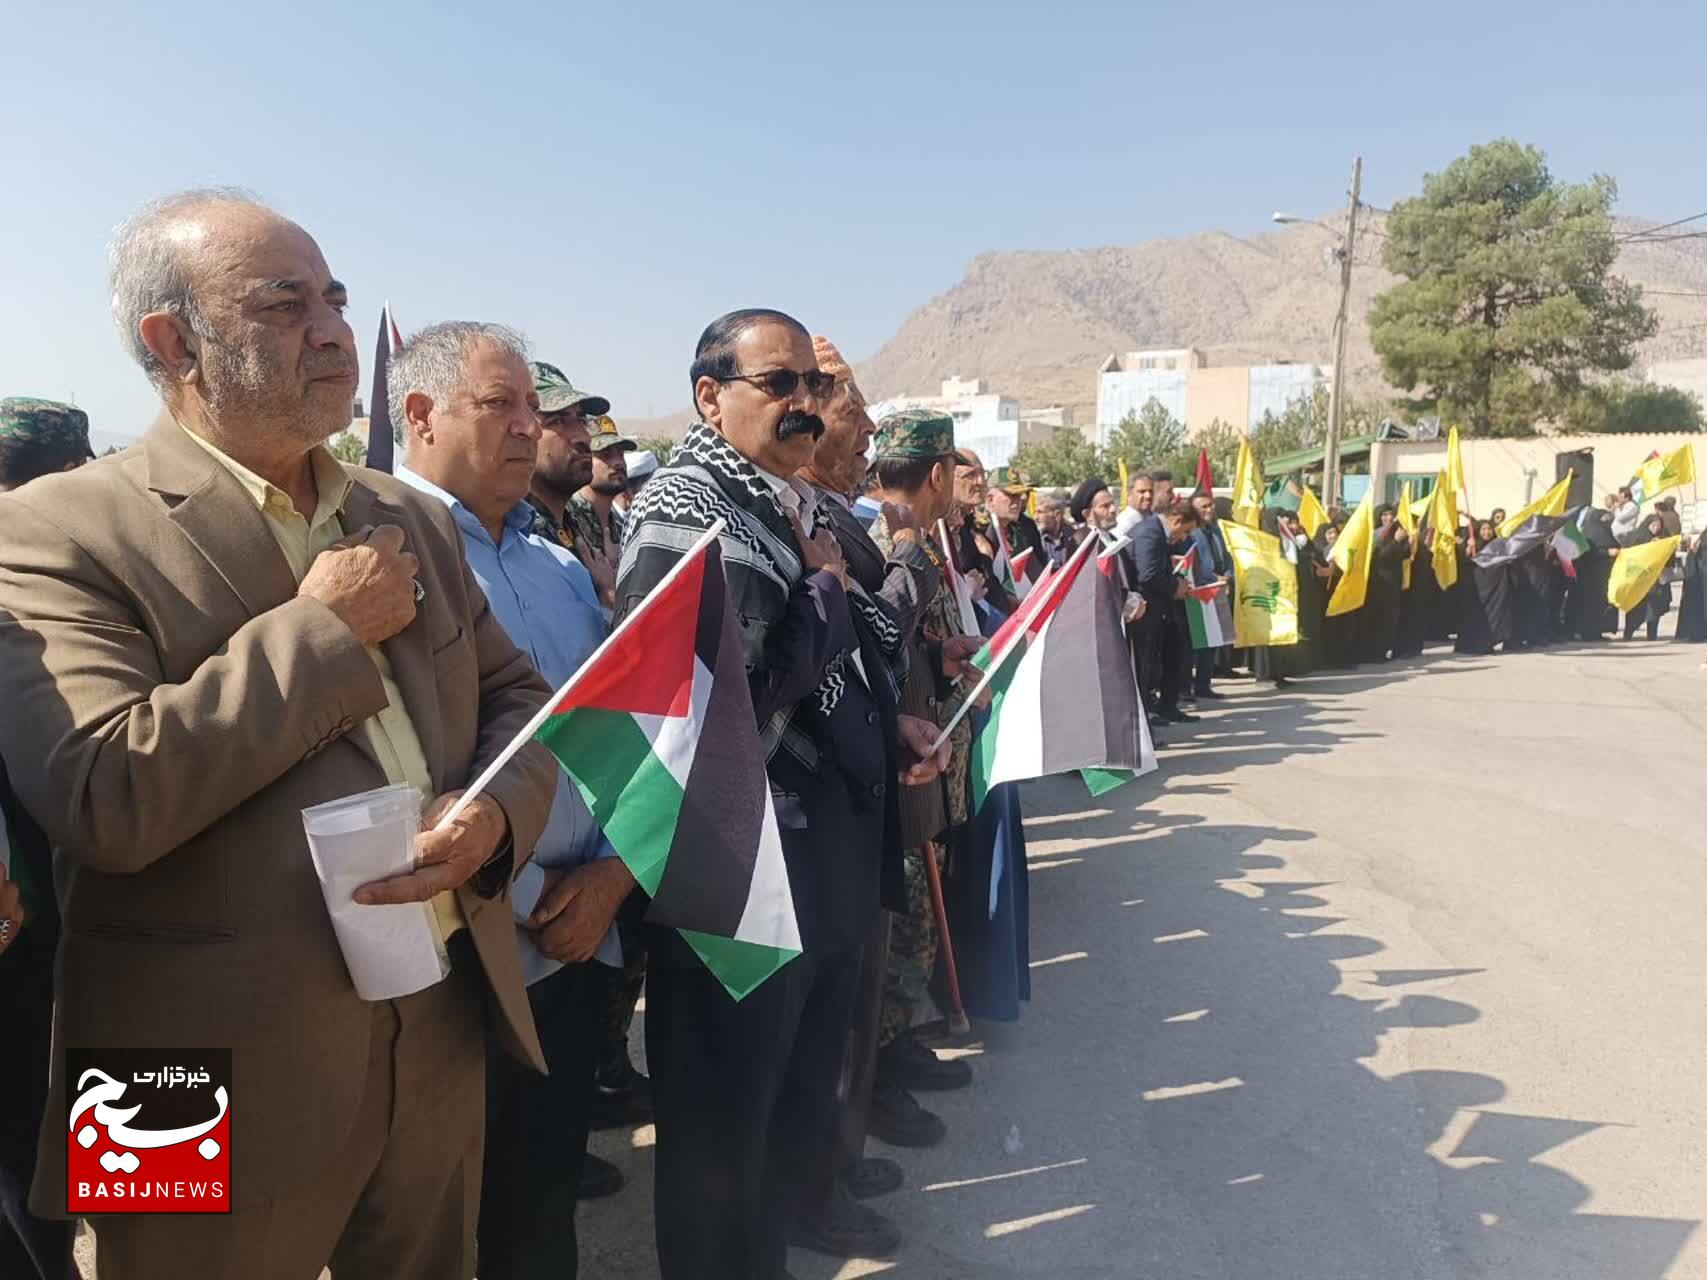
column 1336, row 400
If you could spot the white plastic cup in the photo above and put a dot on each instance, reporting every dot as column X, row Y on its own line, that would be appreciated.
column 392, row 950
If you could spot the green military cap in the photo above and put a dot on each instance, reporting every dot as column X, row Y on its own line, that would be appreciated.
column 557, row 392
column 53, row 432
column 606, row 436
column 914, row 433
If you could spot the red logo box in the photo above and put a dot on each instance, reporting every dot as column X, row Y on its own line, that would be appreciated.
column 148, row 1131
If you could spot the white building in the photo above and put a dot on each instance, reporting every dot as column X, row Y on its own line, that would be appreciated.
column 984, row 421
column 1182, row 381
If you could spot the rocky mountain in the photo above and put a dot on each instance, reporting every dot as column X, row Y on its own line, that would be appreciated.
column 1037, row 325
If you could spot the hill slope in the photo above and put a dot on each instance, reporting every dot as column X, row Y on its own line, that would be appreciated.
column 1037, row 324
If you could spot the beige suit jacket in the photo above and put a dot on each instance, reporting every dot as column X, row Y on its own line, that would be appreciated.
column 170, row 707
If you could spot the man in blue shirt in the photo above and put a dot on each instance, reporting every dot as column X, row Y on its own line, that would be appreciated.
column 464, row 399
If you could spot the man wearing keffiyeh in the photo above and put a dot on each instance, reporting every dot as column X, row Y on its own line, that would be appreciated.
column 745, row 1093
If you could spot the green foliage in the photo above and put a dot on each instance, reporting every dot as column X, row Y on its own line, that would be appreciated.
column 1301, row 425
column 1065, row 460
column 348, row 447
column 1635, row 407
column 662, row 446
column 1507, row 305
column 1221, row 439
column 1147, row 440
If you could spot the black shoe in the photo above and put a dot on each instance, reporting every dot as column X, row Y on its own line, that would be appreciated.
column 621, row 1095
column 1188, row 697
column 1176, row 716
column 1210, row 694
column 1280, row 682
column 874, row 1176
column 599, row 1178
column 844, row 1229
column 908, row 1063
column 898, row 1119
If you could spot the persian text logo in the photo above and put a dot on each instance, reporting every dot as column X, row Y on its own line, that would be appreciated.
column 148, row 1131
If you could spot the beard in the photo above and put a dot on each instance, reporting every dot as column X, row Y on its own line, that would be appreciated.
column 610, row 488
column 245, row 385
column 798, row 423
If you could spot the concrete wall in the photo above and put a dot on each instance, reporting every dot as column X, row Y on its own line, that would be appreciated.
column 1119, row 394
column 1223, row 393
column 1497, row 472
column 1276, row 387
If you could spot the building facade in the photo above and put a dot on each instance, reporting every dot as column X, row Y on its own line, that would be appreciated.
column 1196, row 393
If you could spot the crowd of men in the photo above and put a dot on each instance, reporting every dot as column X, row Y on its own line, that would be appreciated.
column 208, row 633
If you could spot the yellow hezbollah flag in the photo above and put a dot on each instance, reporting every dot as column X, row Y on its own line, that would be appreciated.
column 1408, row 522
column 1248, row 486
column 1454, row 464
column 1443, row 522
column 1420, row 507
column 1352, row 553
column 1636, row 570
column 1265, row 601
column 1551, row 503
column 1656, row 475
column 1310, row 513
column 1125, row 484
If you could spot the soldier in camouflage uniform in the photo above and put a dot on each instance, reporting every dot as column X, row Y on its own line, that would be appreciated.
column 565, row 459
column 610, row 479
column 913, row 453
column 38, row 437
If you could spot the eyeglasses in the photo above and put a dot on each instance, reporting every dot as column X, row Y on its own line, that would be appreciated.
column 781, row 384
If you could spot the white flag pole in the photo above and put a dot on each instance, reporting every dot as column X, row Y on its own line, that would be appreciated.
column 545, row 713
column 1029, row 606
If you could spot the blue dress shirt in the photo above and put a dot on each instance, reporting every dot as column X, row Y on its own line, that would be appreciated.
column 545, row 599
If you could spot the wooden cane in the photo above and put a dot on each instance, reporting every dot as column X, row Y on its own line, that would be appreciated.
column 958, row 1024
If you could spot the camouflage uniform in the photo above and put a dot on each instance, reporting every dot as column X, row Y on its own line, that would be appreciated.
column 546, row 526
column 913, row 937
column 586, row 528
column 38, row 437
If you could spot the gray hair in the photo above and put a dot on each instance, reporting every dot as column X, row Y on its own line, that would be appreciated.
column 435, row 361
column 148, row 272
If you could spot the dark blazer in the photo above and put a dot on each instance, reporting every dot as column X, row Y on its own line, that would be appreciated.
column 1152, row 567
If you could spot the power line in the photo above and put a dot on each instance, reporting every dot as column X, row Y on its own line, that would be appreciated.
column 1648, row 231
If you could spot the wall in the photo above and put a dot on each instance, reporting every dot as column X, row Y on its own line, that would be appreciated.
column 1275, row 387
column 1494, row 470
column 1119, row 394
column 1223, row 393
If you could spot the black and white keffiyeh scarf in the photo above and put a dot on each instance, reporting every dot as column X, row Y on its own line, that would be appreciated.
column 708, row 480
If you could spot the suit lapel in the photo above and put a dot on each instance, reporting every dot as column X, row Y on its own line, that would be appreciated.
column 207, row 502
column 410, row 650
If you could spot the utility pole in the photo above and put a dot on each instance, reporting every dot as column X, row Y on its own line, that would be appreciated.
column 1336, row 401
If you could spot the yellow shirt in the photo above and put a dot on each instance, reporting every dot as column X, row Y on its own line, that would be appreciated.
column 391, row 733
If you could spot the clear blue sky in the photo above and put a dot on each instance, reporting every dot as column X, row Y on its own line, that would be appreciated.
column 610, row 177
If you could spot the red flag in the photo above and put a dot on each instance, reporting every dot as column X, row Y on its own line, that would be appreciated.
column 1205, row 477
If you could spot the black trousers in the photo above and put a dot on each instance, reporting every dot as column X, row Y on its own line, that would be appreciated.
column 1160, row 693
column 29, row 1246
column 536, row 1131
column 746, row 1107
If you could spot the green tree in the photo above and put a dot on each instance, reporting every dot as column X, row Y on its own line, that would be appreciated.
column 662, row 446
column 348, row 447
column 1301, row 425
column 1507, row 304
column 1221, row 439
column 1148, row 439
column 1631, row 408
column 1066, row 460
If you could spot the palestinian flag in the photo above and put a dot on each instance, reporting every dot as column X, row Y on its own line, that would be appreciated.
column 1204, row 618
column 1066, row 700
column 1186, row 565
column 1570, row 541
column 1020, row 565
column 381, row 448
column 696, row 827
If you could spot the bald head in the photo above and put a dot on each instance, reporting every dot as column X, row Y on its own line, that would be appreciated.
column 235, row 317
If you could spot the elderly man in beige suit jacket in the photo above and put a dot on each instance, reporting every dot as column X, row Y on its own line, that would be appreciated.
column 199, row 638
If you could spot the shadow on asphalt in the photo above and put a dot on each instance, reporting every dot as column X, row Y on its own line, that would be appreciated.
column 1192, row 1082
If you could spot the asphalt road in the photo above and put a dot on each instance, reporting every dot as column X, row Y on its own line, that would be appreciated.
column 1395, row 973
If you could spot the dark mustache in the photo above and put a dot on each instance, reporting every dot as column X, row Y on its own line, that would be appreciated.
column 334, row 367
column 796, row 423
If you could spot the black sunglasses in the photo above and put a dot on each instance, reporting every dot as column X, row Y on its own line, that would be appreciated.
column 780, row 384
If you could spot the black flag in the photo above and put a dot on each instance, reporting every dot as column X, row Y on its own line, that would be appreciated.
column 380, row 448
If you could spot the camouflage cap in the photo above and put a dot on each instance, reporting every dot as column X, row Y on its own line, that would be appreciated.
column 557, row 392
column 606, row 436
column 913, row 433
column 46, row 427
